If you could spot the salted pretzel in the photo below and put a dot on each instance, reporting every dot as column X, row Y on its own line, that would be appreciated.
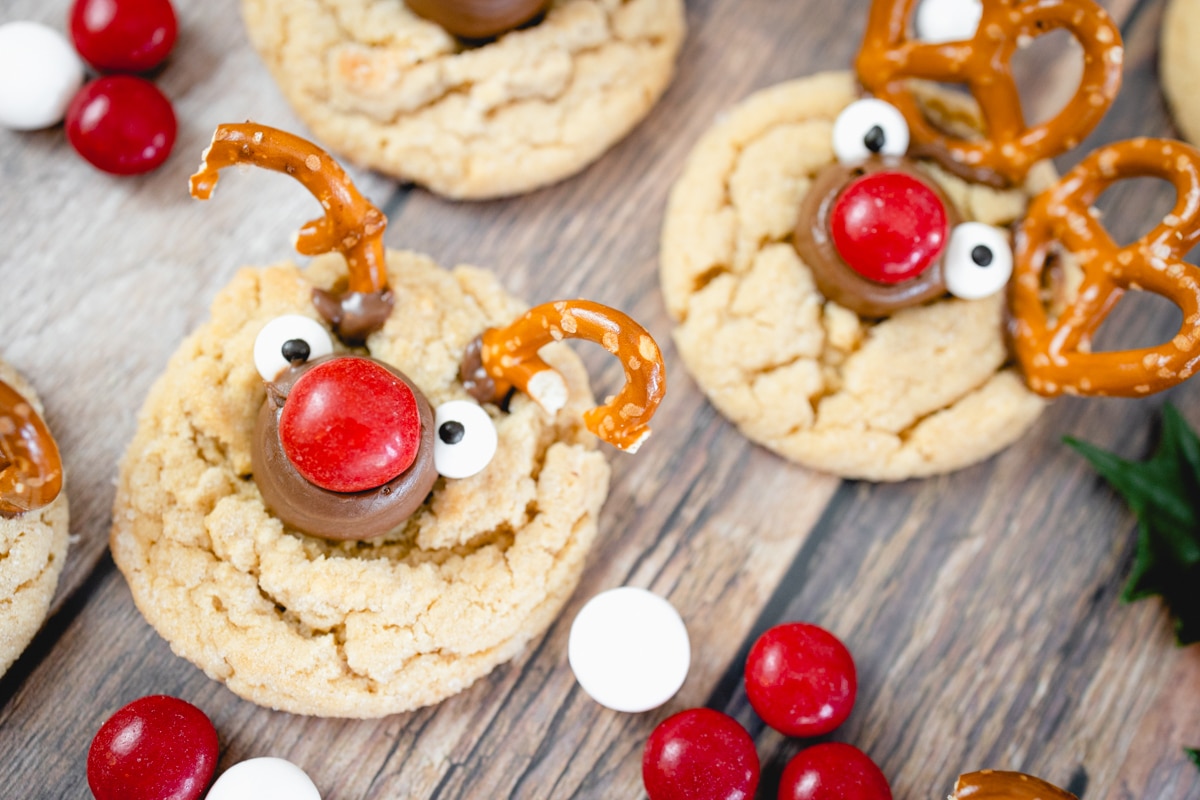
column 990, row 784
column 31, row 472
column 502, row 358
column 352, row 225
column 889, row 58
column 1055, row 354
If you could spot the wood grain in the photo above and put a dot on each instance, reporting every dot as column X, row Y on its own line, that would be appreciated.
column 981, row 606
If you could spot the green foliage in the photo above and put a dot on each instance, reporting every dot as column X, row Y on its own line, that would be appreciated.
column 1164, row 493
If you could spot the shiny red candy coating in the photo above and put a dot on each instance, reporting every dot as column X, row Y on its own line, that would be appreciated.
column 700, row 754
column 121, row 124
column 801, row 679
column 155, row 748
column 350, row 425
column 123, row 35
column 889, row 227
column 833, row 771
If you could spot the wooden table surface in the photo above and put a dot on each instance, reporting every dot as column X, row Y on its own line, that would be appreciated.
column 981, row 607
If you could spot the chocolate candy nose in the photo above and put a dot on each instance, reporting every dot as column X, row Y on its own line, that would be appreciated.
column 889, row 226
column 350, row 425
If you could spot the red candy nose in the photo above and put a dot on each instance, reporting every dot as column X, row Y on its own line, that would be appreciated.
column 888, row 226
column 350, row 425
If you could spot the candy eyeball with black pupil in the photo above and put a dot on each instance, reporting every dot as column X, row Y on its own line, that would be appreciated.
column 288, row 341
column 869, row 127
column 465, row 439
column 978, row 261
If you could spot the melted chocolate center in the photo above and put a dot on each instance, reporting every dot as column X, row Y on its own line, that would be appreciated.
column 836, row 280
column 337, row 515
column 478, row 19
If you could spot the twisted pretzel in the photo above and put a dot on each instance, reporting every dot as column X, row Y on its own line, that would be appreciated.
column 889, row 58
column 502, row 358
column 31, row 472
column 352, row 225
column 1055, row 356
column 990, row 784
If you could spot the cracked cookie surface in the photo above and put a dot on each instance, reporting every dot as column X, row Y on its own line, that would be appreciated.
column 1179, row 64
column 33, row 547
column 352, row 629
column 927, row 391
column 390, row 90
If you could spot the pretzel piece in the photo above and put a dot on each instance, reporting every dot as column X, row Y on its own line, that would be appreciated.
column 503, row 358
column 31, row 472
column 990, row 784
column 889, row 58
column 352, row 225
column 1055, row 354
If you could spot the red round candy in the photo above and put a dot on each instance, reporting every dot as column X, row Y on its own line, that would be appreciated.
column 121, row 124
column 123, row 35
column 700, row 754
column 889, row 227
column 801, row 679
column 350, row 425
column 155, row 748
column 833, row 771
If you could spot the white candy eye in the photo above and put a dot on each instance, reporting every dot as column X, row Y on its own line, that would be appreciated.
column 290, row 339
column 978, row 261
column 464, row 439
column 869, row 127
column 940, row 21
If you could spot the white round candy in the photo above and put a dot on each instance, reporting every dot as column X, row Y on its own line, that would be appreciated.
column 940, row 21
column 869, row 127
column 629, row 649
column 264, row 779
column 464, row 439
column 978, row 262
column 269, row 359
column 39, row 74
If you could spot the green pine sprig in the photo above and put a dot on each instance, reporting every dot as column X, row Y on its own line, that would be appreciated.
column 1164, row 494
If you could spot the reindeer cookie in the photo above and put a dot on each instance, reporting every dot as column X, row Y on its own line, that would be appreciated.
column 359, row 487
column 1179, row 65
column 839, row 265
column 33, row 515
column 470, row 99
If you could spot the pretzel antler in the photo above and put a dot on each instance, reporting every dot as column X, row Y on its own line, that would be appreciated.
column 990, row 784
column 502, row 358
column 31, row 473
column 889, row 58
column 1055, row 356
column 352, row 225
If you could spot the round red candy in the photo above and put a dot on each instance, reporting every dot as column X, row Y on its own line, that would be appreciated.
column 155, row 748
column 349, row 425
column 700, row 754
column 801, row 679
column 833, row 771
column 123, row 35
column 121, row 124
column 889, row 227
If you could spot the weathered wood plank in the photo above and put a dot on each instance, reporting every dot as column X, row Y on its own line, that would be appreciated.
column 981, row 606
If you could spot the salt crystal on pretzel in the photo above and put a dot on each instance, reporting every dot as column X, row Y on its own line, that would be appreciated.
column 502, row 358
column 31, row 471
column 1055, row 354
column 352, row 225
column 890, row 58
